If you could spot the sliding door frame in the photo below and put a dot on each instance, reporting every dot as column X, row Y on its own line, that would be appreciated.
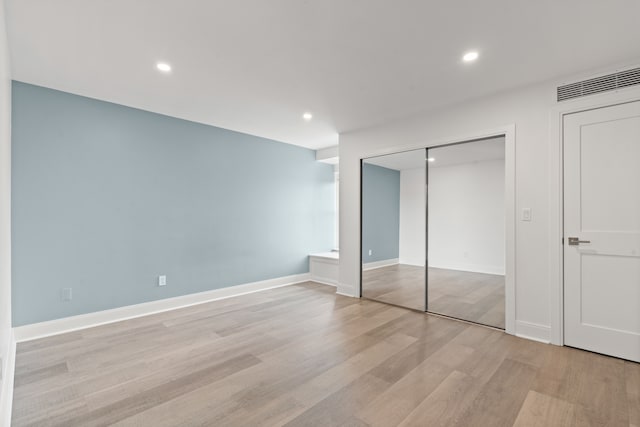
column 360, row 295
column 427, row 226
column 509, row 133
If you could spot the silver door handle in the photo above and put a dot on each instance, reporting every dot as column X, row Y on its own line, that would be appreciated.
column 575, row 241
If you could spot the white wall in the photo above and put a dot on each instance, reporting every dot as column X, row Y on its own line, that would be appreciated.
column 528, row 109
column 466, row 217
column 5, row 207
column 412, row 217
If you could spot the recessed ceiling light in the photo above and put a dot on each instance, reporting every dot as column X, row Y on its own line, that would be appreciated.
column 431, row 159
column 470, row 56
column 307, row 116
column 163, row 66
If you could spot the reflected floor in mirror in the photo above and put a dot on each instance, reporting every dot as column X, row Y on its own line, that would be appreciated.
column 476, row 297
column 397, row 284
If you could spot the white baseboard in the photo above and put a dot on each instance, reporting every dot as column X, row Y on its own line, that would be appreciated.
column 324, row 281
column 411, row 263
column 348, row 291
column 6, row 391
column 83, row 321
column 346, row 294
column 379, row 264
column 533, row 331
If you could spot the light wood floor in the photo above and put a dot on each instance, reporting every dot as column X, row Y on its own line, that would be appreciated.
column 303, row 356
column 399, row 284
column 469, row 296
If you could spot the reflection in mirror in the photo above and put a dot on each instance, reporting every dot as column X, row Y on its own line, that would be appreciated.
column 466, row 247
column 393, row 229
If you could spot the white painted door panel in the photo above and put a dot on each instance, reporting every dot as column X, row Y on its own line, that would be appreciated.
column 602, row 206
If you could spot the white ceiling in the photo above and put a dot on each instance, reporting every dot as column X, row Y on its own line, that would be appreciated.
column 413, row 159
column 256, row 65
column 475, row 151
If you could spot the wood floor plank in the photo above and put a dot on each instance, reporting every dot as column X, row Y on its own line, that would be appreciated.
column 632, row 383
column 48, row 410
column 239, row 398
column 333, row 379
column 594, row 383
column 395, row 404
column 502, row 396
column 476, row 297
column 396, row 367
column 302, row 355
column 488, row 356
column 40, row 374
column 138, row 403
column 338, row 408
column 445, row 403
column 539, row 408
column 398, row 401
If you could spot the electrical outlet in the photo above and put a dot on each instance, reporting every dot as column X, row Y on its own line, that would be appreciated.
column 162, row 280
column 66, row 294
column 370, row 252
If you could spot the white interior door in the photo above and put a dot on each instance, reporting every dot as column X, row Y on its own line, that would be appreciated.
column 602, row 208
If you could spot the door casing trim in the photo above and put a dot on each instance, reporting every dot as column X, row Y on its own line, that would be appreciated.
column 556, row 195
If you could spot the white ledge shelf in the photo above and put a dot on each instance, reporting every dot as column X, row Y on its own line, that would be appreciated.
column 324, row 267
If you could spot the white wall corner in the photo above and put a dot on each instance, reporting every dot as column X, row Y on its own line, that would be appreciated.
column 348, row 290
column 328, row 155
column 533, row 331
column 6, row 385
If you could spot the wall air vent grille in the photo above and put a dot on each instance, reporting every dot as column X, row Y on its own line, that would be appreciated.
column 599, row 84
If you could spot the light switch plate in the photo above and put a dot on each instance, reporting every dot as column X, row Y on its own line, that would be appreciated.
column 162, row 280
column 526, row 214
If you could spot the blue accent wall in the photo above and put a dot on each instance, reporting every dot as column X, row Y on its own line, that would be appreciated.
column 106, row 198
column 380, row 213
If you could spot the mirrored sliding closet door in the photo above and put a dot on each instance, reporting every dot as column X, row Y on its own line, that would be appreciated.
column 394, row 229
column 466, row 231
